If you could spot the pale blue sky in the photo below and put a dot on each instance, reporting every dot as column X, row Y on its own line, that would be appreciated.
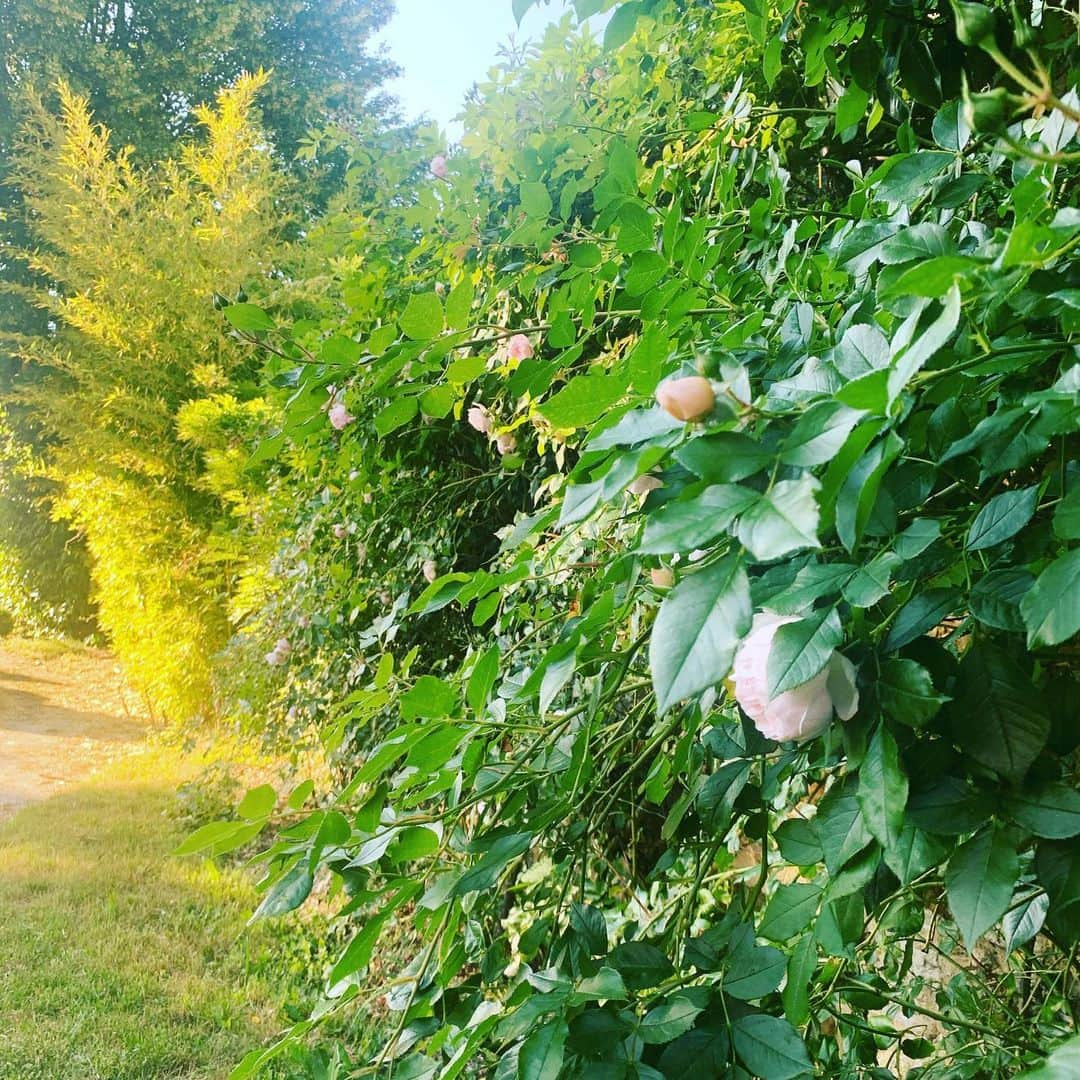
column 444, row 46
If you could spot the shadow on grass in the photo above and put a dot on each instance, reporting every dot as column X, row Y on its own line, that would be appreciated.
column 119, row 962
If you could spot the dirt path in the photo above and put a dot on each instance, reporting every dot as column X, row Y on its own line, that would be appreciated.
column 64, row 711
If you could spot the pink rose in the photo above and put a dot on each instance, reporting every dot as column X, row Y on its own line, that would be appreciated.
column 803, row 711
column 691, row 398
column 644, row 484
column 279, row 653
column 506, row 443
column 440, row 289
column 478, row 418
column 519, row 347
column 439, row 166
column 661, row 577
column 431, row 570
column 340, row 417
column 340, row 531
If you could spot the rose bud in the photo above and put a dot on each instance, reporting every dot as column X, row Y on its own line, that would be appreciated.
column 689, row 398
column 644, row 484
column 975, row 24
column 519, row 347
column 430, row 570
column 801, row 712
column 340, row 417
column 479, row 419
column 662, row 577
column 506, row 443
column 439, row 166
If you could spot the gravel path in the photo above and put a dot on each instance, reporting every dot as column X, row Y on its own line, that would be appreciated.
column 64, row 711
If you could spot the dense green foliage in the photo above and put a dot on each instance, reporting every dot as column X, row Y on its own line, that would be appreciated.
column 841, row 239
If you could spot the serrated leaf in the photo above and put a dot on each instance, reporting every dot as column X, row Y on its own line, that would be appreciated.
column 770, row 1047
column 979, row 881
column 691, row 523
column 791, row 910
column 422, row 318
column 800, row 650
column 541, row 1055
column 907, row 693
column 1003, row 516
column 1051, row 810
column 641, row 965
column 699, row 625
column 883, row 789
column 782, row 520
column 668, row 1021
column 1051, row 607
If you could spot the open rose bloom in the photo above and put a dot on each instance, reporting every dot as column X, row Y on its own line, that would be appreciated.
column 340, row 417
column 803, row 711
column 519, row 347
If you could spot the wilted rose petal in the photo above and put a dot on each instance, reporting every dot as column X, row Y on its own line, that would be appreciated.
column 478, row 418
column 644, row 484
column 691, row 398
column 519, row 347
column 661, row 577
column 340, row 417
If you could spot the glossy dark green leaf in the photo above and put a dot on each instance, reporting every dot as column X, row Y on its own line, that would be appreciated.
column 883, row 789
column 1003, row 516
column 790, row 911
column 1051, row 607
column 1050, row 810
column 979, row 881
column 770, row 1047
column 800, row 650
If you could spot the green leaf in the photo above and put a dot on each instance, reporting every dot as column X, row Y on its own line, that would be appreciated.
column 921, row 613
column 859, row 491
column 995, row 598
column 589, row 924
column 398, row 413
column 883, row 789
column 841, row 829
column 691, row 523
column 790, row 911
column 802, row 963
column 482, row 678
column 621, row 27
column 640, row 964
column 219, row 837
column 782, row 520
column 926, row 240
column 636, row 229
column 932, row 278
column 1003, row 516
column 646, row 270
column 907, row 693
column 1022, row 922
column 583, row 400
column 1052, row 811
column 1051, row 607
column 950, row 129
column 1067, row 516
column 979, row 881
column 535, row 200
column 770, row 1047
column 668, row 1021
column 818, row 434
column 520, row 8
column 913, row 853
column 258, row 803
column 998, row 717
column 422, row 318
column 430, row 699
column 699, row 625
column 1062, row 1064
column 459, row 307
column 486, row 871
column 908, row 176
column 802, row 649
column 249, row 318
column 286, row 894
column 724, row 457
column 752, row 970
column 851, row 107
column 798, row 842
column 542, row 1053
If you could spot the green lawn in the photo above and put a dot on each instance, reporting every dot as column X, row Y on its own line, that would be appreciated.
column 118, row 962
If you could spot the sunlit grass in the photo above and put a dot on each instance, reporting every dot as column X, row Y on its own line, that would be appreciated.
column 117, row 961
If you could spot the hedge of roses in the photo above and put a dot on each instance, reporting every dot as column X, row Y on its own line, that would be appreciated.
column 682, row 484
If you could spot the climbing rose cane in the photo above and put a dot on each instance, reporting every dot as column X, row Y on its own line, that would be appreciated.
column 803, row 711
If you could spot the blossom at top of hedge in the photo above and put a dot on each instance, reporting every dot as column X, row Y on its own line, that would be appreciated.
column 803, row 711
column 279, row 653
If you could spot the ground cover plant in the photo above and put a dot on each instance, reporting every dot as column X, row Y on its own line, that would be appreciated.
column 681, row 496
